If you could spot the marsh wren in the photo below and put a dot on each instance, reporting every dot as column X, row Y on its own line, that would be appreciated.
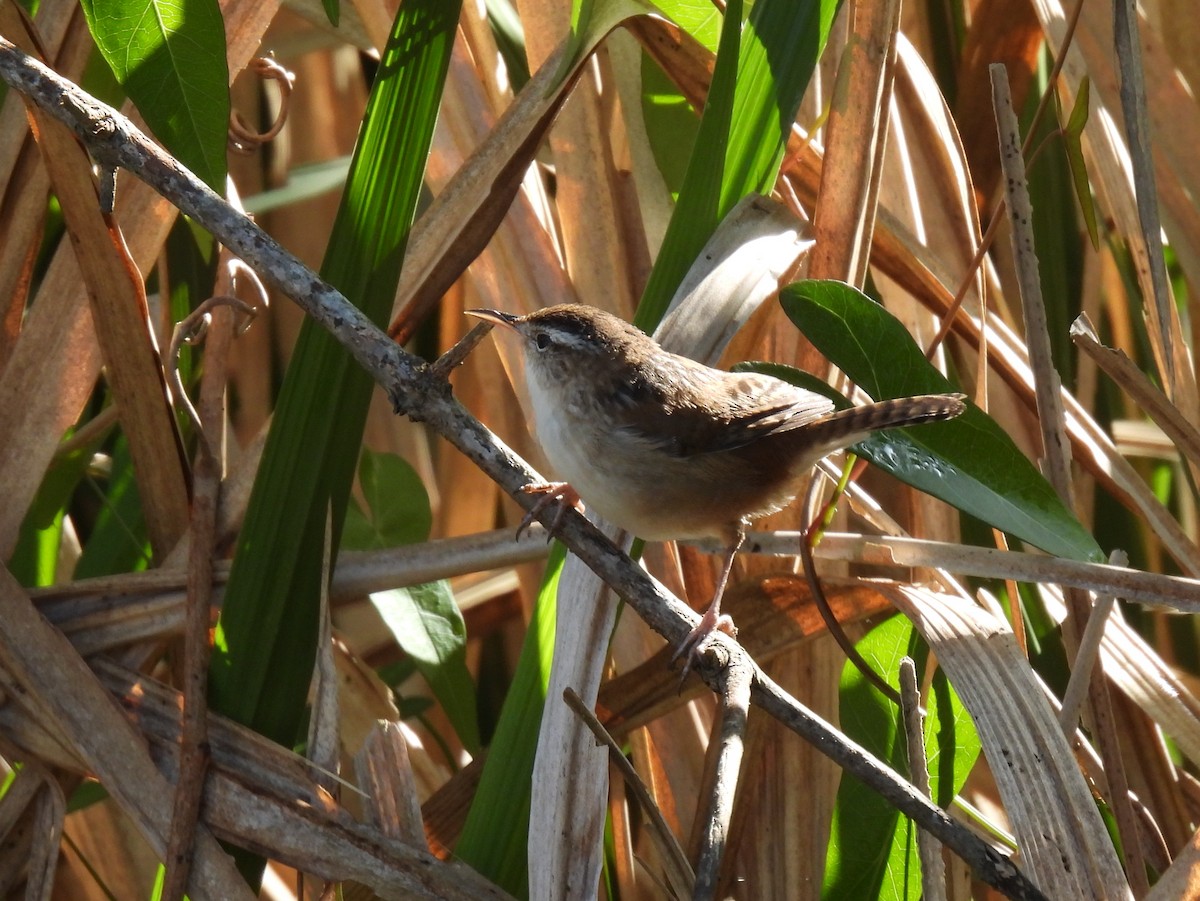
column 671, row 449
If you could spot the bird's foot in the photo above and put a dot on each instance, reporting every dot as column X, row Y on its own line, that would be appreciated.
column 692, row 647
column 560, row 493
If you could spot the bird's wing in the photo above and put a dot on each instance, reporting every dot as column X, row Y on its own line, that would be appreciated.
column 704, row 410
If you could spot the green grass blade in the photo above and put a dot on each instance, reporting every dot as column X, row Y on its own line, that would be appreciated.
column 760, row 77
column 169, row 55
column 969, row 462
column 493, row 839
column 267, row 631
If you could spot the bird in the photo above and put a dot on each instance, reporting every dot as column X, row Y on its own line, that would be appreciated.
column 670, row 449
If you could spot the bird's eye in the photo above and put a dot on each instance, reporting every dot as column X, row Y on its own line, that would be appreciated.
column 542, row 341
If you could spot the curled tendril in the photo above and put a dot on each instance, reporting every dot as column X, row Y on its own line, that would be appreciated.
column 243, row 138
column 191, row 331
column 235, row 270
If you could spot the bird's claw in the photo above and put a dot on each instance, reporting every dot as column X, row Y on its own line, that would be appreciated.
column 691, row 649
column 560, row 493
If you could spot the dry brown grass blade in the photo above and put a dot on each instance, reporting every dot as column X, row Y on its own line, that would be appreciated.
column 1147, row 397
column 857, row 131
column 56, row 361
column 53, row 674
column 119, row 312
column 596, row 237
column 385, row 775
column 1064, row 845
column 518, row 271
column 465, row 215
column 24, row 182
column 1000, row 33
column 1176, row 170
column 1182, row 878
column 570, row 773
column 16, row 811
column 50, row 813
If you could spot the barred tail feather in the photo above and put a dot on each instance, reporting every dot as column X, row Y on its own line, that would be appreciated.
column 850, row 426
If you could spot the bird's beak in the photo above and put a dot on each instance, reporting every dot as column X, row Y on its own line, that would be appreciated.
column 508, row 320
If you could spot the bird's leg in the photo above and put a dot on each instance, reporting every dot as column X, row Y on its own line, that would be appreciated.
column 712, row 620
column 560, row 493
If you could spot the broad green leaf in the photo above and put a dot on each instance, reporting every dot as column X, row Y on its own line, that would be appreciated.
column 762, row 71
column 699, row 18
column 397, row 505
column 169, row 55
column 969, row 462
column 493, row 839
column 424, row 619
column 427, row 624
column 872, row 848
column 265, row 639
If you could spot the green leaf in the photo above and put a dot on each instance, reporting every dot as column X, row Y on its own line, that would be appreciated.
column 1073, row 141
column 169, row 55
column 397, row 505
column 333, row 10
column 969, row 462
column 699, row 18
column 494, row 836
column 591, row 21
column 761, row 74
column 428, row 625
column 872, row 848
column 265, row 639
column 34, row 561
column 424, row 619
column 671, row 124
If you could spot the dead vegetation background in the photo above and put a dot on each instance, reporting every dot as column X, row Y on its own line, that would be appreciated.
column 93, row 658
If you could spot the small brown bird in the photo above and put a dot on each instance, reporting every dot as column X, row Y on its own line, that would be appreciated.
column 671, row 449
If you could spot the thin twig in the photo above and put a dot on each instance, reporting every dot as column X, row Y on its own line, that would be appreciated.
column 453, row 358
column 729, row 748
column 209, row 422
column 111, row 138
column 1087, row 655
column 678, row 871
column 1057, row 460
column 933, row 870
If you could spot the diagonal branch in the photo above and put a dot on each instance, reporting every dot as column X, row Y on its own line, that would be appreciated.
column 422, row 395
